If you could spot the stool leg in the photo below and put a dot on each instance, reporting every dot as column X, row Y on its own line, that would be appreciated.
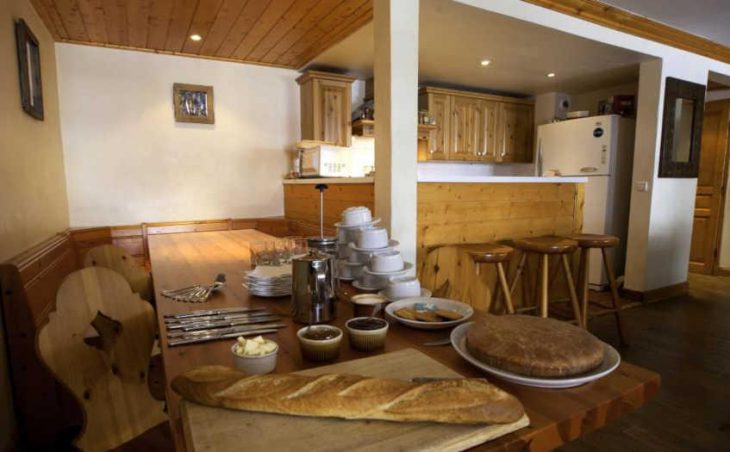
column 477, row 268
column 518, row 273
column 584, row 271
column 544, row 287
column 571, row 288
column 505, row 288
column 614, row 296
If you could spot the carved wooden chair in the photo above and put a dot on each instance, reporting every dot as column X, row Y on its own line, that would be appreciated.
column 98, row 344
column 117, row 259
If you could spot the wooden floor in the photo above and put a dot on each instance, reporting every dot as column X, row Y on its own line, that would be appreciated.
column 686, row 340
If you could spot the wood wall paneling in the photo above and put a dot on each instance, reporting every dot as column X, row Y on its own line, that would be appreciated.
column 284, row 33
column 451, row 216
column 301, row 202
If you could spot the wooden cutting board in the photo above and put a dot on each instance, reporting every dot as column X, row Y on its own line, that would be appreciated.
column 208, row 429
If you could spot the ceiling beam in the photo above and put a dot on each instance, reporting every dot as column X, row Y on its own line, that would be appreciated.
column 643, row 27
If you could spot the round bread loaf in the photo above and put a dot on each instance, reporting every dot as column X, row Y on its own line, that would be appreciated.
column 534, row 346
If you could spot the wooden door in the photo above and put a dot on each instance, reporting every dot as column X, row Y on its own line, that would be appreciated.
column 439, row 108
column 711, row 183
column 516, row 128
column 487, row 146
column 335, row 113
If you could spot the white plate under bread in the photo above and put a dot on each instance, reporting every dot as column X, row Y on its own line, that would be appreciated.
column 464, row 309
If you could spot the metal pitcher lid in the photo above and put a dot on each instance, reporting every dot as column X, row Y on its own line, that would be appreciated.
column 316, row 241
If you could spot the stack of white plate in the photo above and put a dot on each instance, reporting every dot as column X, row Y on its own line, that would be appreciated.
column 269, row 281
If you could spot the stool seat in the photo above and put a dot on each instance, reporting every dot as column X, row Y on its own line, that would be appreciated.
column 489, row 253
column 595, row 240
column 546, row 245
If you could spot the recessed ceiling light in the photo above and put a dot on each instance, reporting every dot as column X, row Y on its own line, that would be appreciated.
column 486, row 62
column 551, row 74
column 196, row 37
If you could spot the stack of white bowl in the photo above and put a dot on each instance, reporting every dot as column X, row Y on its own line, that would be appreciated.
column 366, row 254
column 354, row 220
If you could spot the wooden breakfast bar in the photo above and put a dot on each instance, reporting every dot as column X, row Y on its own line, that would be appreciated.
column 178, row 260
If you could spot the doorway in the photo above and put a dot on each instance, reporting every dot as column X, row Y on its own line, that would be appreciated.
column 707, row 231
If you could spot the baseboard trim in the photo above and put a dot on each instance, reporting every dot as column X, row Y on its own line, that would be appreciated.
column 722, row 272
column 663, row 293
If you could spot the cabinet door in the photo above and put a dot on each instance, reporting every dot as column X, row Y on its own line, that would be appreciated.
column 466, row 118
column 439, row 108
column 487, row 144
column 516, row 129
column 334, row 113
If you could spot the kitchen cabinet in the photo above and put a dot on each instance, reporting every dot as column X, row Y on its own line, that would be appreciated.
column 326, row 107
column 478, row 127
column 439, row 108
column 515, row 128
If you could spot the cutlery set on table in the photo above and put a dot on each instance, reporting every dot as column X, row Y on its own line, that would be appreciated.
column 214, row 324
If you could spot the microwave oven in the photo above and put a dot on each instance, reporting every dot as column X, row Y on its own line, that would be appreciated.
column 324, row 160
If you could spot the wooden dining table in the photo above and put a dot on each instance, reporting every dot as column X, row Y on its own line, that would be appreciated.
column 179, row 260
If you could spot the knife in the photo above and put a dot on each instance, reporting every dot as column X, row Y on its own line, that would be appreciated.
column 222, row 311
column 198, row 339
column 221, row 323
column 211, row 318
column 231, row 329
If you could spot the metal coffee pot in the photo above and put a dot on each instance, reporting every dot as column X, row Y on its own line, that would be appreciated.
column 313, row 292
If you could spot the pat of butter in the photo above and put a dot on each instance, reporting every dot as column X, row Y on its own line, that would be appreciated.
column 257, row 346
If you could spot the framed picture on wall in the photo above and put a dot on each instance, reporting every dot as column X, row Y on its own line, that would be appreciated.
column 29, row 70
column 193, row 103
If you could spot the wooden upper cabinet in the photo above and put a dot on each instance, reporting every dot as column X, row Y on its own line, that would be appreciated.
column 326, row 107
column 487, row 150
column 478, row 127
column 439, row 107
column 516, row 129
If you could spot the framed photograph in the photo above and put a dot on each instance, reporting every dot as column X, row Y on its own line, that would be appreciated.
column 29, row 70
column 193, row 103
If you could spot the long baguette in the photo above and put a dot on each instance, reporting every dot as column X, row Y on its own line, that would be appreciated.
column 460, row 401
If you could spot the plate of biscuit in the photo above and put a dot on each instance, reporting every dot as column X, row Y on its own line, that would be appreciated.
column 429, row 313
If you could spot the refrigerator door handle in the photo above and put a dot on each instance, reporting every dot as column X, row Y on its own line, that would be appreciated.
column 588, row 169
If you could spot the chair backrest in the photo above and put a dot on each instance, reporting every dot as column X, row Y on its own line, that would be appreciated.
column 98, row 344
column 117, row 259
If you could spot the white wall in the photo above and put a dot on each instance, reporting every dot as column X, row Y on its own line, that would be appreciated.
column 128, row 161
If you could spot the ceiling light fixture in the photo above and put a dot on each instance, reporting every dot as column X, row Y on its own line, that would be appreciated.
column 486, row 62
column 551, row 74
column 196, row 37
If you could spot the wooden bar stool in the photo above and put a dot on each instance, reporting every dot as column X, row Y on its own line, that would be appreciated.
column 586, row 242
column 494, row 253
column 544, row 247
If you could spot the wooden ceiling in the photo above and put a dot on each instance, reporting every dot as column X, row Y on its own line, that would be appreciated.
column 285, row 33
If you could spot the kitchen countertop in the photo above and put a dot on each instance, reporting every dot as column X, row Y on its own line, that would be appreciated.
column 450, row 178
column 458, row 179
column 331, row 180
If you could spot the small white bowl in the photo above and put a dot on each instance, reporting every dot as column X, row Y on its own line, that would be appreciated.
column 403, row 287
column 320, row 350
column 367, row 340
column 372, row 238
column 255, row 365
column 387, row 262
column 356, row 215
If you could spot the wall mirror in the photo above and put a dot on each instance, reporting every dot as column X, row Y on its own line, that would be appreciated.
column 684, row 103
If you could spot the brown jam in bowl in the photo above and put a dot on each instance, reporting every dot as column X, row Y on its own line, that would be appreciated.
column 321, row 334
column 368, row 324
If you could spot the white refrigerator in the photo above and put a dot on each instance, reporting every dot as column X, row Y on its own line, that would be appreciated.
column 602, row 149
